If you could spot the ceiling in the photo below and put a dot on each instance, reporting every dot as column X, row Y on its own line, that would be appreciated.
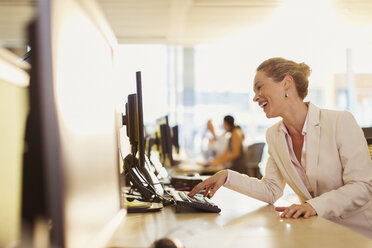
column 184, row 22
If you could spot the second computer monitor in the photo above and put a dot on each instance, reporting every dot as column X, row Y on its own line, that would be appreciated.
column 164, row 141
column 175, row 138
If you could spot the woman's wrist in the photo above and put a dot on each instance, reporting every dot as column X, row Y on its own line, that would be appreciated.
column 227, row 176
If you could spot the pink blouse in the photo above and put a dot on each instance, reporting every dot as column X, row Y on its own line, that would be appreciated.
column 300, row 166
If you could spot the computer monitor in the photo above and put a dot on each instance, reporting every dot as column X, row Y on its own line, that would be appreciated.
column 175, row 138
column 14, row 82
column 164, row 141
column 140, row 174
column 149, row 143
column 73, row 63
column 140, row 125
column 133, row 120
column 129, row 120
column 34, row 203
column 155, row 141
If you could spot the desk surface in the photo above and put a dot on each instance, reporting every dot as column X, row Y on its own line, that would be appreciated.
column 192, row 166
column 243, row 222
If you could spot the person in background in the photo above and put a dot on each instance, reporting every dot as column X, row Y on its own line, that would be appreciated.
column 216, row 142
column 233, row 154
column 321, row 154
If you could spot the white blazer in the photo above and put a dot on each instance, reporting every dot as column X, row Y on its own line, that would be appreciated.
column 339, row 169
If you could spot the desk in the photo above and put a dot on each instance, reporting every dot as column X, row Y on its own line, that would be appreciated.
column 243, row 222
column 191, row 166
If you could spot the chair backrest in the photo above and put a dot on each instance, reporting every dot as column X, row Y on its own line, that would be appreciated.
column 253, row 154
column 367, row 132
column 369, row 141
column 368, row 135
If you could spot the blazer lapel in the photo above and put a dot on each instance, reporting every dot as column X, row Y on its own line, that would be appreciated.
column 288, row 166
column 312, row 146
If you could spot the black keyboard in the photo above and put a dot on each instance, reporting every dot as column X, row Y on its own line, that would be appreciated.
column 197, row 202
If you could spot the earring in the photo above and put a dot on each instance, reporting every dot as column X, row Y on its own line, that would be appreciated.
column 286, row 95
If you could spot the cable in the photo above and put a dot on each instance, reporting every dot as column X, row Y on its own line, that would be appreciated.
column 139, row 184
column 152, row 187
column 127, row 170
column 153, row 192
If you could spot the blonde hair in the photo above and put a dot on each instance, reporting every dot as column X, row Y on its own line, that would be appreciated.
column 278, row 68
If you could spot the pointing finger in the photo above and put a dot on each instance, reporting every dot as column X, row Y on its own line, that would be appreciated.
column 196, row 189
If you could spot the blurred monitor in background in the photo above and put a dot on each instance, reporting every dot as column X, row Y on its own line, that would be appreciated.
column 163, row 141
column 175, row 138
column 14, row 81
column 72, row 65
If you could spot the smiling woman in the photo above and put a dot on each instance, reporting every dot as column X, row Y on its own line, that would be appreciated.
column 267, row 87
column 307, row 148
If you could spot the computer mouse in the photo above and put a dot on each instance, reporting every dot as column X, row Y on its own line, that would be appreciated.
column 167, row 243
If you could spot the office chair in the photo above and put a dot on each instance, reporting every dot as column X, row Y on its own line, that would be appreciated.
column 253, row 156
column 368, row 135
column 369, row 142
column 367, row 132
column 249, row 163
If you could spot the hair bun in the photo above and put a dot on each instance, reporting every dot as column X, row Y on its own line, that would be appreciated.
column 305, row 69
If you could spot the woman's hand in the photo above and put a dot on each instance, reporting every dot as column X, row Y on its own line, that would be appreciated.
column 296, row 210
column 211, row 184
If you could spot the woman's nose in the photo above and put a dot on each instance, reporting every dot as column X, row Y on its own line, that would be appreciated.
column 256, row 97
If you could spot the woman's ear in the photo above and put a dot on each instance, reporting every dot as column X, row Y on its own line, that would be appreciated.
column 288, row 82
